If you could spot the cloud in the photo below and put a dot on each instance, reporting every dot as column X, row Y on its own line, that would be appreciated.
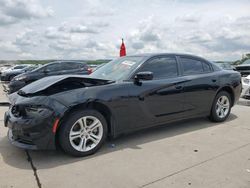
column 9, row 47
column 138, row 45
column 26, row 55
column 7, row 20
column 13, row 11
column 101, row 12
column 189, row 18
column 56, row 33
column 93, row 28
column 148, row 36
column 26, row 38
column 75, row 28
column 82, row 29
column 226, row 38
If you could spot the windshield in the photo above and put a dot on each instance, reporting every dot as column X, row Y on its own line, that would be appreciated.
column 39, row 68
column 118, row 69
column 246, row 62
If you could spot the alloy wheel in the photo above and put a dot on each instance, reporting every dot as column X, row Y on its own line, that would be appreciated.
column 86, row 133
column 222, row 106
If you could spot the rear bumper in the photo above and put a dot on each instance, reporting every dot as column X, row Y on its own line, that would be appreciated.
column 27, row 133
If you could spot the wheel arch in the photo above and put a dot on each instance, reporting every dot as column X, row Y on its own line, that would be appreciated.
column 230, row 91
column 98, row 106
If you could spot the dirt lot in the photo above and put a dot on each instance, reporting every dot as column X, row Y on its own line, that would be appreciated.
column 195, row 153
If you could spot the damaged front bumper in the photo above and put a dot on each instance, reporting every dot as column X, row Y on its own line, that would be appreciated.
column 31, row 132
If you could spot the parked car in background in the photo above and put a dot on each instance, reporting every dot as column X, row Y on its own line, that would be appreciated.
column 53, row 68
column 126, row 94
column 16, row 67
column 244, row 68
column 226, row 66
column 92, row 67
column 246, row 87
column 8, row 75
column 4, row 67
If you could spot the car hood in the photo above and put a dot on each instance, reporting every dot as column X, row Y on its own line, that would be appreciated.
column 55, row 84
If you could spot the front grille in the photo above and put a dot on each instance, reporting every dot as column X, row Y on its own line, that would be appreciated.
column 22, row 138
column 25, row 141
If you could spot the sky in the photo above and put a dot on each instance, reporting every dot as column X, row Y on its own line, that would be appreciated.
column 93, row 29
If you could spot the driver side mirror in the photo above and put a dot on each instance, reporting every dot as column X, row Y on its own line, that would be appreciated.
column 143, row 76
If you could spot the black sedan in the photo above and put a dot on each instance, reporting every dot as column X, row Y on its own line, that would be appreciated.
column 53, row 68
column 9, row 74
column 77, row 113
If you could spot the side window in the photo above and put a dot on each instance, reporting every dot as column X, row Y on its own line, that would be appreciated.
column 53, row 67
column 206, row 67
column 162, row 67
column 70, row 66
column 191, row 66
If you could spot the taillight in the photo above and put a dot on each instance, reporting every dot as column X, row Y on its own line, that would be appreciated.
column 89, row 71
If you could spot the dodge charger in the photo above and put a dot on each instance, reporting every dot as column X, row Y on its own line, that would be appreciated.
column 77, row 113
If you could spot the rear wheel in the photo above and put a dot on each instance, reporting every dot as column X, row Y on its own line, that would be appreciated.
column 221, row 107
column 83, row 133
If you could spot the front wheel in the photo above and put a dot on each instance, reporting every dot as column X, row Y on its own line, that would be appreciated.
column 83, row 133
column 221, row 107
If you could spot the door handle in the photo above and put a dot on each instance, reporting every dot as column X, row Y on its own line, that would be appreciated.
column 178, row 87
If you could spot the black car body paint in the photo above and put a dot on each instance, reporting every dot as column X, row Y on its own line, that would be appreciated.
column 127, row 105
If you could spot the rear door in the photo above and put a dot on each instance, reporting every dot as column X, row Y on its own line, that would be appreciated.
column 200, row 85
column 74, row 68
column 54, row 69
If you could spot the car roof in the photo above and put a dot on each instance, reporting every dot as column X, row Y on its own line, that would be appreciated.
column 64, row 61
column 149, row 55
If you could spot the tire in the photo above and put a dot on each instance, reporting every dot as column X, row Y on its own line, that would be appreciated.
column 220, row 113
column 78, row 138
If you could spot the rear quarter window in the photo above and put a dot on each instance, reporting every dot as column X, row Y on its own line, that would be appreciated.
column 194, row 66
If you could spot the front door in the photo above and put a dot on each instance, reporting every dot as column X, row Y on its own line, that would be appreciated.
column 159, row 100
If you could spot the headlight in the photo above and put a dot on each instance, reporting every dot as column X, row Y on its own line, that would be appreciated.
column 246, row 81
column 30, row 111
column 20, row 78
